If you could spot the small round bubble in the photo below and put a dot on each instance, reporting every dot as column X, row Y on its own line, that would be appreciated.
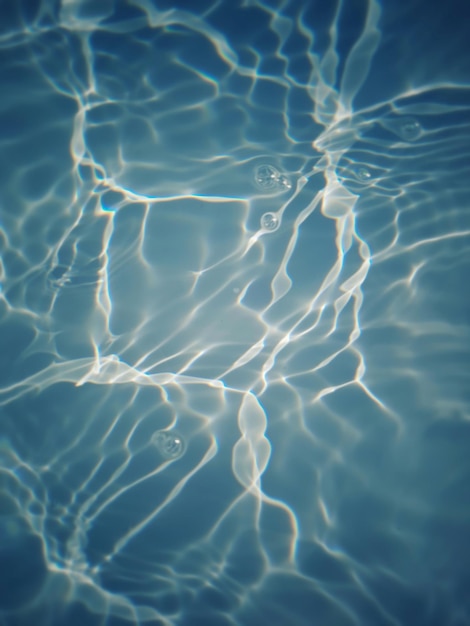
column 169, row 443
column 363, row 174
column 410, row 130
column 266, row 177
column 407, row 128
column 270, row 221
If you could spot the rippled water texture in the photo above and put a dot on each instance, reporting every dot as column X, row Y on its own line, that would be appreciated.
column 234, row 313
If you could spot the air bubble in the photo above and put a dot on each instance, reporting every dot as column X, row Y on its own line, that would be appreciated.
column 269, row 179
column 363, row 174
column 169, row 443
column 270, row 221
column 407, row 128
column 410, row 130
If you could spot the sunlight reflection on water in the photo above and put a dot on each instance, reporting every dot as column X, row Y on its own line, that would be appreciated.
column 224, row 353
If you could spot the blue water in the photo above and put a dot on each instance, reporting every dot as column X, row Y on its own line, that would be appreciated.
column 234, row 313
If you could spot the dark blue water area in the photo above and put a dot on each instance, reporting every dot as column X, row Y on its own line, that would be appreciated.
column 234, row 313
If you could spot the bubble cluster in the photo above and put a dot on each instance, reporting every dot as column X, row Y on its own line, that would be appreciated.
column 169, row 443
column 270, row 221
column 269, row 179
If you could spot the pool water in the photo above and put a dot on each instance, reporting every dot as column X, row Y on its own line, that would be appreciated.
column 234, row 313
